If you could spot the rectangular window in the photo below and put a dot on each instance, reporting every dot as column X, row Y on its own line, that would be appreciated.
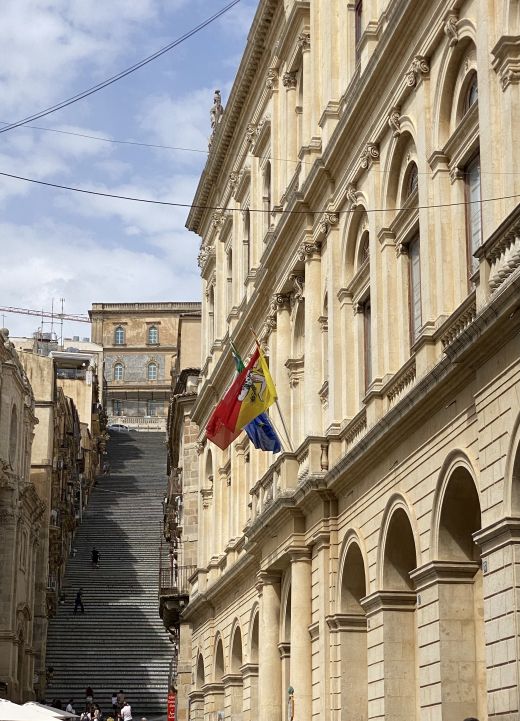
column 473, row 212
column 151, row 408
column 117, row 407
column 367, row 328
column 414, row 282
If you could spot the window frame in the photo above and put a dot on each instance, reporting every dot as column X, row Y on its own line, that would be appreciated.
column 119, row 366
column 472, row 262
column 414, row 328
column 119, row 330
column 153, row 330
column 149, row 366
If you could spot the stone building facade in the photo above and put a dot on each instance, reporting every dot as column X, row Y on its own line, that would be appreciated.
column 367, row 170
column 21, row 517
column 140, row 347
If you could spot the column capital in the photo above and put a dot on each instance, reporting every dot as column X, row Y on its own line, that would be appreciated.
column 347, row 622
column 249, row 670
column 300, row 554
column 290, row 80
column 232, row 679
column 304, row 42
column 444, row 572
column 502, row 533
column 268, row 578
column 309, row 251
column 389, row 601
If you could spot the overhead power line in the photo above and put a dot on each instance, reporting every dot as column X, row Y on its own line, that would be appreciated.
column 122, row 73
column 173, row 204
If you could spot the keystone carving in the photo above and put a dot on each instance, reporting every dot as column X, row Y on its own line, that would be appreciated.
column 394, row 121
column 450, row 29
column 419, row 67
column 352, row 195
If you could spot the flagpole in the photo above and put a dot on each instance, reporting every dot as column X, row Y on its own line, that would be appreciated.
column 288, row 437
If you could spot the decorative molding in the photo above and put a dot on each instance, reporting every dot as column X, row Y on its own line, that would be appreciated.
column 234, row 180
column 283, row 301
column 450, row 28
column 506, row 60
column 299, row 288
column 251, row 131
column 369, row 155
column 271, row 80
column 308, row 251
column 394, row 121
column 329, row 219
column 419, row 67
column 290, row 80
column 401, row 248
column 352, row 195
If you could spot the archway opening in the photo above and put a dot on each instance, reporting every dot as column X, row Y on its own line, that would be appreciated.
column 353, row 582
column 219, row 662
column 400, row 557
column 515, row 484
column 237, row 690
column 460, row 519
column 200, row 679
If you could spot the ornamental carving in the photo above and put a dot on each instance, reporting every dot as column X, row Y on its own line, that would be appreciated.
column 329, row 219
column 304, row 42
column 308, row 250
column 299, row 288
column 234, row 179
column 217, row 220
column 290, row 80
column 451, row 30
column 251, row 134
column 271, row 79
column 352, row 195
column 283, row 301
column 394, row 121
column 401, row 248
column 369, row 155
column 419, row 67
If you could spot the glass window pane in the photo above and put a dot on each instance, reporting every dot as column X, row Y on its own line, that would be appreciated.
column 474, row 213
column 415, row 288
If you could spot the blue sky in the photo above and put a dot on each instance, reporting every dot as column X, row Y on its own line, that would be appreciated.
column 57, row 244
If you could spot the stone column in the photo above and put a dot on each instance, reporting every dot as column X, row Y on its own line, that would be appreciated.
column 304, row 43
column 447, row 640
column 269, row 677
column 233, row 692
column 290, row 81
column 348, row 632
column 500, row 550
column 301, row 675
column 392, row 665
column 196, row 706
column 310, row 253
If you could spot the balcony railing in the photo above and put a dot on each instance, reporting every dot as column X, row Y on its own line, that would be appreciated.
column 502, row 251
column 174, row 580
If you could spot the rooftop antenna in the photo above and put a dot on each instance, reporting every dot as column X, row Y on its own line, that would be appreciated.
column 52, row 316
column 61, row 323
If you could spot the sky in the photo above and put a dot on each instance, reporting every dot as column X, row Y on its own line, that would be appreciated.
column 57, row 244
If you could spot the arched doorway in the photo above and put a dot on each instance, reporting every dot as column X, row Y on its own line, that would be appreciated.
column 460, row 600
column 235, row 678
column 218, row 686
column 352, row 626
column 395, row 614
column 250, row 673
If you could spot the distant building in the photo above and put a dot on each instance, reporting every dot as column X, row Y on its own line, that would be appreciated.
column 140, row 344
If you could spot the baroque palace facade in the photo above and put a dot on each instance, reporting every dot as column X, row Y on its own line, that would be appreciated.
column 369, row 181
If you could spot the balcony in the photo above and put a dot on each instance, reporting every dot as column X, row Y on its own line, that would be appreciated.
column 174, row 586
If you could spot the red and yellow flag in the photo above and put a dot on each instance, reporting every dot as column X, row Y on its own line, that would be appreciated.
column 250, row 394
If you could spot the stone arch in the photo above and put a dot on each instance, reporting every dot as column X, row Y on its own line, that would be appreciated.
column 450, row 79
column 351, row 590
column 456, row 484
column 219, row 668
column 397, row 162
column 254, row 634
column 351, row 236
column 236, row 653
column 398, row 553
column 512, row 473
column 200, row 676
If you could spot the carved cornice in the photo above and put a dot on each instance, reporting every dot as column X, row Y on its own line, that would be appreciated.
column 419, row 67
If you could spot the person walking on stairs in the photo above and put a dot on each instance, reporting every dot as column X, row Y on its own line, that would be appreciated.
column 126, row 712
column 96, row 556
column 120, row 701
column 78, row 603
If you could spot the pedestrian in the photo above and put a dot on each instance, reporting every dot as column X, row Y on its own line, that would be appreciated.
column 95, row 557
column 106, row 468
column 70, row 708
column 89, row 696
column 114, row 703
column 126, row 712
column 78, row 603
column 120, row 701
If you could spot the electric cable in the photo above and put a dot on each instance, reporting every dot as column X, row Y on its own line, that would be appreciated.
column 220, row 208
column 122, row 73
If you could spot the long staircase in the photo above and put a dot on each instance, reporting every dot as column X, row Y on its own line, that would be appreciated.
column 120, row 642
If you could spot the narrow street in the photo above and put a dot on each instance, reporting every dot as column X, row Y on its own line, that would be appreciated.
column 119, row 642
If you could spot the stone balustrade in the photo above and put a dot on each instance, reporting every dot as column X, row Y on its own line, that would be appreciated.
column 401, row 382
column 501, row 252
column 458, row 321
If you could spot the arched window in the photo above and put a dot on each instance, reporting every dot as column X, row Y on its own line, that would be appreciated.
column 118, row 372
column 247, row 242
column 153, row 335
column 411, row 183
column 152, row 371
column 119, row 335
column 471, row 96
column 267, row 195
